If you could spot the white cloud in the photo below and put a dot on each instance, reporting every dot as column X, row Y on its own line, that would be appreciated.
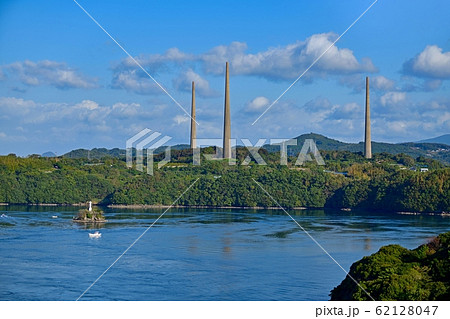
column 86, row 123
column 135, row 81
column 324, row 109
column 444, row 120
column 90, row 112
column 399, row 126
column 126, row 110
column 392, row 98
column 47, row 72
column 11, row 107
column 381, row 83
column 287, row 62
column 345, row 121
column 202, row 88
column 18, row 103
column 87, row 104
column 436, row 105
column 430, row 63
column 358, row 84
column 127, row 74
column 258, row 104
column 413, row 84
column 347, row 111
column 154, row 62
column 290, row 119
column 180, row 119
column 276, row 63
column 415, row 118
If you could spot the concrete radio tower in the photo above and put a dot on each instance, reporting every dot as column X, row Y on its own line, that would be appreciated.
column 193, row 124
column 226, row 122
column 367, row 139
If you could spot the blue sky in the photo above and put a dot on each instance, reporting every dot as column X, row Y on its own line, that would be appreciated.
column 64, row 84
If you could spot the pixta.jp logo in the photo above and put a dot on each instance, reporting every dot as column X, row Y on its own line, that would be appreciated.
column 145, row 140
column 148, row 142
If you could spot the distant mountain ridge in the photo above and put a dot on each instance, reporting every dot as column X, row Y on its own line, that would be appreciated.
column 48, row 154
column 97, row 153
column 443, row 139
column 438, row 151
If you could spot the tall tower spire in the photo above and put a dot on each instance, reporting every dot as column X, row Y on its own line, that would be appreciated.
column 227, row 124
column 193, row 143
column 367, row 138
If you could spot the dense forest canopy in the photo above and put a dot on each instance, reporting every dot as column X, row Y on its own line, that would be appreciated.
column 397, row 273
column 348, row 180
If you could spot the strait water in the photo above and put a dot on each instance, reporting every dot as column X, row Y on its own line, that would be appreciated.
column 193, row 254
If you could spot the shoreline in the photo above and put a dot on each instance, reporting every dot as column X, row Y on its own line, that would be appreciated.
column 142, row 206
column 45, row 204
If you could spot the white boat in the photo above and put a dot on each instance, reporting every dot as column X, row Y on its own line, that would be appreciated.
column 54, row 216
column 95, row 235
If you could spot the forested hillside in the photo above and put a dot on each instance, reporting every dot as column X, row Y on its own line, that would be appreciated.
column 347, row 181
column 397, row 273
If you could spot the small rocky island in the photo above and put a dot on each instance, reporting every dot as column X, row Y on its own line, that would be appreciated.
column 397, row 273
column 90, row 215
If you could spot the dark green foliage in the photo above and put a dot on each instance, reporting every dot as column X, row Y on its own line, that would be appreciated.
column 384, row 183
column 396, row 273
column 43, row 180
column 95, row 153
column 395, row 190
